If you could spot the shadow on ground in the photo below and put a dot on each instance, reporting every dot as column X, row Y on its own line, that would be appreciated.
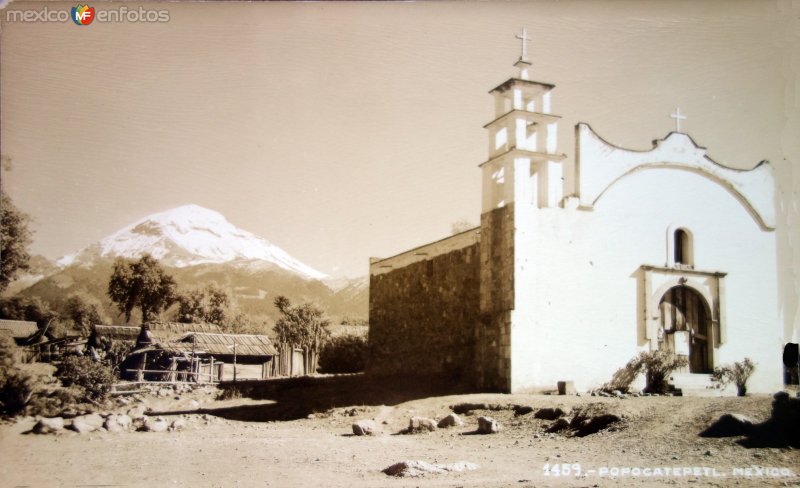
column 782, row 429
column 296, row 398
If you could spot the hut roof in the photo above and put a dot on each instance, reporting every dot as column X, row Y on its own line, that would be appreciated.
column 222, row 344
column 18, row 329
column 117, row 332
column 173, row 331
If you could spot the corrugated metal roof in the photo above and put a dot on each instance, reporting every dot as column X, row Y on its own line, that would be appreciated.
column 18, row 329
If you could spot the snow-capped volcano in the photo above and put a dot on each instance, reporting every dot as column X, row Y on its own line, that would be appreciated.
column 191, row 235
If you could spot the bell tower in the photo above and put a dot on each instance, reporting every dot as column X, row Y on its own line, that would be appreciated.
column 523, row 163
column 523, row 175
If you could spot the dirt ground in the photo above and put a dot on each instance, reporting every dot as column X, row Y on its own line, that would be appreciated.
column 298, row 433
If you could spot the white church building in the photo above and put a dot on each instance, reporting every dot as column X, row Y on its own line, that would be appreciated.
column 582, row 262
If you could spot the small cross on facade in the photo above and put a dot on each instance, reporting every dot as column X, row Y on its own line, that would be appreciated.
column 678, row 117
column 525, row 39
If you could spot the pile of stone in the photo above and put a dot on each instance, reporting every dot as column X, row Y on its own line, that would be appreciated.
column 84, row 423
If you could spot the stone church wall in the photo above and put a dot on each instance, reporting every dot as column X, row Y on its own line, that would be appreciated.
column 423, row 314
column 493, row 333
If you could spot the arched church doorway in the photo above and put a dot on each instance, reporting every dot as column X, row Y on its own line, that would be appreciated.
column 685, row 320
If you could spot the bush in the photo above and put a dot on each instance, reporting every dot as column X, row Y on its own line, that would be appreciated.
column 343, row 354
column 16, row 387
column 657, row 366
column 95, row 379
column 737, row 373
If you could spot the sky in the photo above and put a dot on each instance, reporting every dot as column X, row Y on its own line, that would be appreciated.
column 341, row 131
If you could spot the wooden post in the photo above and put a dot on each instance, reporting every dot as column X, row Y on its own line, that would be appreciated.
column 234, row 360
column 211, row 370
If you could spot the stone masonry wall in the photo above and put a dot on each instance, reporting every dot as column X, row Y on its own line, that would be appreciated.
column 493, row 331
column 423, row 316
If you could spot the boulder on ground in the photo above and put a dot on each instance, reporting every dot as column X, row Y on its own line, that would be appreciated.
column 124, row 421
column 365, row 427
column 451, row 420
column 87, row 423
column 594, row 424
column 155, row 425
column 137, row 411
column 177, row 424
column 488, row 425
column 112, row 425
column 522, row 410
column 548, row 413
column 413, row 469
column 421, row 424
column 49, row 425
column 558, row 425
column 729, row 425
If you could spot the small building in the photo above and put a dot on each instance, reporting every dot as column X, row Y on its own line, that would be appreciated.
column 204, row 356
column 18, row 330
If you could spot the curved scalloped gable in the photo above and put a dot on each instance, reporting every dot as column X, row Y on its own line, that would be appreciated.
column 602, row 164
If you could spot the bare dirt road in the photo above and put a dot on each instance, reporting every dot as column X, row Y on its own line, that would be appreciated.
column 270, row 441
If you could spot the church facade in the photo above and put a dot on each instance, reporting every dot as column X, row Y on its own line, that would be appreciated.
column 581, row 263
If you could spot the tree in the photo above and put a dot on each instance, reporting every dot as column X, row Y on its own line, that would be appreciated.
column 15, row 237
column 210, row 304
column 143, row 284
column 84, row 311
column 302, row 326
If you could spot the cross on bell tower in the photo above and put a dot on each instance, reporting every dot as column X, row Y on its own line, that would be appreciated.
column 525, row 39
column 524, row 164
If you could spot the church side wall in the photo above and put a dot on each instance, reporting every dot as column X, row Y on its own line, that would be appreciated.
column 580, row 288
column 493, row 333
column 422, row 316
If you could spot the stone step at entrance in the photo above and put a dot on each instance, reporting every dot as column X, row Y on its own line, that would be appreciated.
column 697, row 385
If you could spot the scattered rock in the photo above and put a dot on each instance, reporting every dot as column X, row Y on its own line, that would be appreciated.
column 549, row 413
column 137, row 411
column 421, row 424
column 451, row 420
column 87, row 423
column 522, row 410
column 595, row 424
column 488, row 425
column 177, row 424
column 112, row 425
column 365, row 427
column 49, row 425
column 558, row 425
column 164, row 392
column 728, row 425
column 194, row 404
column 155, row 425
column 413, row 469
column 124, row 421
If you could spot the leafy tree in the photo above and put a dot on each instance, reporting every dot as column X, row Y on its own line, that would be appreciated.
column 84, row 311
column 33, row 309
column 210, row 304
column 303, row 326
column 143, row 284
column 15, row 237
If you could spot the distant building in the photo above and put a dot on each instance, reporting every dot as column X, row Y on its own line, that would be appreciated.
column 18, row 330
column 582, row 262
